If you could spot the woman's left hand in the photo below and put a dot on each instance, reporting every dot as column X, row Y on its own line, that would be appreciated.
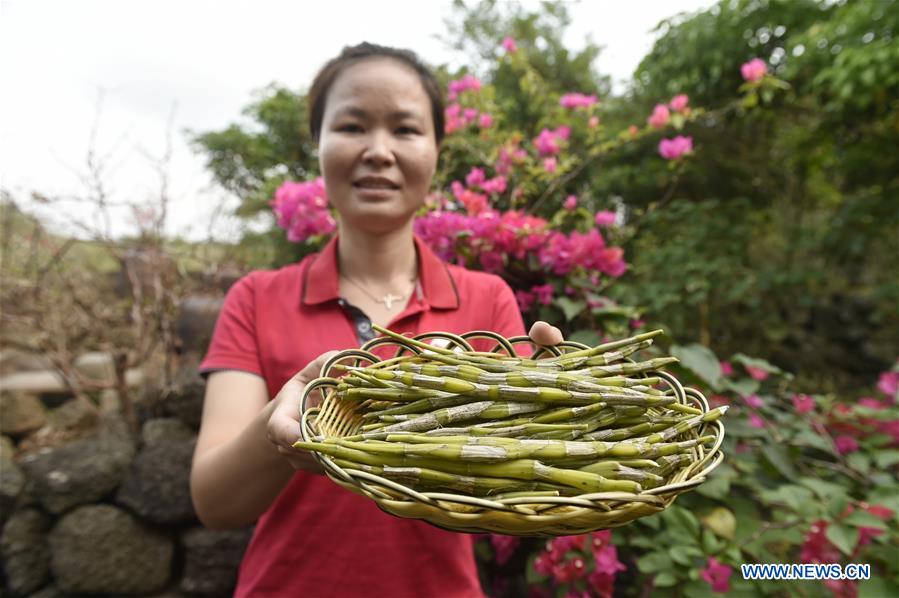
column 545, row 334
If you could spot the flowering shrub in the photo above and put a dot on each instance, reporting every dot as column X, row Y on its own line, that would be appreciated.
column 808, row 477
column 515, row 210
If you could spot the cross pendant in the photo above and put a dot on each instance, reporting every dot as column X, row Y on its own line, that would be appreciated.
column 389, row 299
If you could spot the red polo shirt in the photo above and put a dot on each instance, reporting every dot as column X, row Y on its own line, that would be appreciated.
column 318, row 539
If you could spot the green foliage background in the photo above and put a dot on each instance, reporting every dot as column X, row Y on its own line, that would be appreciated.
column 780, row 237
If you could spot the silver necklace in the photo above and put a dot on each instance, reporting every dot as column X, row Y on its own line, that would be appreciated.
column 387, row 299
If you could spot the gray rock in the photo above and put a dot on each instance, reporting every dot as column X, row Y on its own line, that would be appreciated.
column 185, row 398
column 81, row 472
column 212, row 559
column 166, row 430
column 7, row 447
column 26, row 557
column 73, row 415
column 50, row 591
column 100, row 549
column 12, row 482
column 20, row 413
column 157, row 485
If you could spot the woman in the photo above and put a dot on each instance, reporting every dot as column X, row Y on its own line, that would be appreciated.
column 378, row 118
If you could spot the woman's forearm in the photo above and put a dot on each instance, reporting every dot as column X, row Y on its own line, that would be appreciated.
column 233, row 483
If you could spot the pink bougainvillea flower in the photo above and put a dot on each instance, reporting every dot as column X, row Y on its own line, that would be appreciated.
column 757, row 373
column 817, row 548
column 593, row 122
column 888, row 384
column 842, row 588
column 570, row 202
column 550, row 165
column 659, row 117
column 568, row 571
column 717, row 575
column 577, row 100
column 803, row 403
column 543, row 293
column 509, row 45
column 546, row 143
column 754, row 70
column 727, row 369
column 485, row 121
column 492, row 261
column 543, row 564
column 605, row 218
column 469, row 114
column 881, row 512
column 754, row 401
column 871, row 403
column 302, row 209
column 525, row 300
column 756, row 421
column 503, row 547
column 845, row 444
column 495, row 185
column 637, row 323
column 679, row 102
column 466, row 83
column 475, row 177
column 672, row 149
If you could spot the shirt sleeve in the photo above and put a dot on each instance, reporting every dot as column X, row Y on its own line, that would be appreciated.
column 234, row 343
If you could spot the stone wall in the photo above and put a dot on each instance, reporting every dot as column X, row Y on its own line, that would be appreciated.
column 88, row 507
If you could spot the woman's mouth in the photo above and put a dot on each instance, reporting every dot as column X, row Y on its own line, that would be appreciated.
column 375, row 183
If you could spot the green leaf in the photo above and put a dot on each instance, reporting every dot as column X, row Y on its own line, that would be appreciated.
column 710, row 542
column 717, row 487
column 887, row 496
column 821, row 488
column 570, row 307
column 812, row 440
column 865, row 519
column 722, row 522
column 664, row 579
column 757, row 363
column 859, row 461
column 681, row 555
column 653, row 562
column 837, row 504
column 778, row 457
column 588, row 337
column 878, row 587
column 843, row 537
column 886, row 458
column 681, row 522
column 701, row 361
column 743, row 386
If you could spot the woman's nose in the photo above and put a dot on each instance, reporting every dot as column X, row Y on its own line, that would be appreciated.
column 378, row 149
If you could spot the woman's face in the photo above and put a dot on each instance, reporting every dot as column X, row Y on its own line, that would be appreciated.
column 377, row 146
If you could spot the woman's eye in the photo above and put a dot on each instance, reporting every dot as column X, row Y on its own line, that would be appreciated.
column 407, row 131
column 349, row 128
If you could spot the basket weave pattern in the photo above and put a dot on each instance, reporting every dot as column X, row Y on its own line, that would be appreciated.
column 519, row 515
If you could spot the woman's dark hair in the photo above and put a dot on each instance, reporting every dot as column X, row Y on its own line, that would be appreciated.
column 318, row 93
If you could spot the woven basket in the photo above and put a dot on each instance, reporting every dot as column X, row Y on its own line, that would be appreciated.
column 521, row 515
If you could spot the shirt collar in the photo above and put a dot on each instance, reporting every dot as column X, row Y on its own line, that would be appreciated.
column 320, row 280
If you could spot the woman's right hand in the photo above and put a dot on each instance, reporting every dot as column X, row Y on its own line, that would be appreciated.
column 284, row 424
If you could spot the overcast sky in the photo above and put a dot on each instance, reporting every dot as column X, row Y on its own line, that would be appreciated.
column 196, row 63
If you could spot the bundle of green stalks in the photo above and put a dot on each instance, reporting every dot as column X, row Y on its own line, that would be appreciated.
column 491, row 425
